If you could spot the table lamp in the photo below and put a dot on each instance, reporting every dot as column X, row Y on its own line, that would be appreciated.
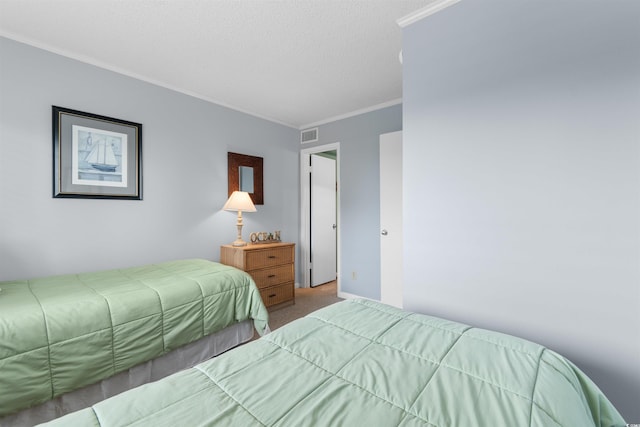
column 239, row 201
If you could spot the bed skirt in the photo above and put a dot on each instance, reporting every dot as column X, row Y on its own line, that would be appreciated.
column 153, row 370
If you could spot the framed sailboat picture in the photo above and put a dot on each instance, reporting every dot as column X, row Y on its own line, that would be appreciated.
column 95, row 156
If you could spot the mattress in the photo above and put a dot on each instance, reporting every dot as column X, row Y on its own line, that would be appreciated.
column 61, row 333
column 359, row 362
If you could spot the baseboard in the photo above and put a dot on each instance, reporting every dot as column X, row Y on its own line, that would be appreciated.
column 346, row 295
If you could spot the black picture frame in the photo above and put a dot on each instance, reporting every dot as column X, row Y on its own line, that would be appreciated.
column 95, row 157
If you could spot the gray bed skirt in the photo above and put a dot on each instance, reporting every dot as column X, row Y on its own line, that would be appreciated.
column 153, row 370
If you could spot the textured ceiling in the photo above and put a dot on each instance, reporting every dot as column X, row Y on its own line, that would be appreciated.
column 296, row 62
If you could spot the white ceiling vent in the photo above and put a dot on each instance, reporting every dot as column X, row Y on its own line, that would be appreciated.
column 309, row 135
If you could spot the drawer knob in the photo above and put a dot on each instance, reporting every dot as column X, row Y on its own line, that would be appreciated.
column 272, row 257
column 271, row 276
column 272, row 295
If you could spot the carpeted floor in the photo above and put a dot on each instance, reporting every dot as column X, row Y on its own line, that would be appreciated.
column 307, row 301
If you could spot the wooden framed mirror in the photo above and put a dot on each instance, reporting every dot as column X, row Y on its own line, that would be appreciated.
column 245, row 174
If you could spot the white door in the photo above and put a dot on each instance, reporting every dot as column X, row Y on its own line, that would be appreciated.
column 391, row 219
column 323, row 220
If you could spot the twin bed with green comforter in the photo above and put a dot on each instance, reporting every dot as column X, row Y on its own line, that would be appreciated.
column 61, row 333
column 361, row 363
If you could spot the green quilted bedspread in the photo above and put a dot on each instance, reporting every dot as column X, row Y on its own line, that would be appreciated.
column 361, row 363
column 61, row 333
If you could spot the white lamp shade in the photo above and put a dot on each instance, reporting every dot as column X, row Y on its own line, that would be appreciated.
column 239, row 201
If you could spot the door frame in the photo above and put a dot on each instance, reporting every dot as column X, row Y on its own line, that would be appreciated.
column 305, row 209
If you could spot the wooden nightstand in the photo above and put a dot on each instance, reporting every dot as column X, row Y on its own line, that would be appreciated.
column 272, row 267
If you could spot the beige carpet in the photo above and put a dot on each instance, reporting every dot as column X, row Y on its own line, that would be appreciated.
column 307, row 301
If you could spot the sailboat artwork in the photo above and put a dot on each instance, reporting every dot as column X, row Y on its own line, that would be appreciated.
column 102, row 157
column 99, row 157
column 95, row 157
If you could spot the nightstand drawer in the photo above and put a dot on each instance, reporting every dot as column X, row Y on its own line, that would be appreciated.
column 277, row 294
column 273, row 275
column 272, row 267
column 269, row 257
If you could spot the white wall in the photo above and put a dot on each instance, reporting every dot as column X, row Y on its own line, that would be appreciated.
column 184, row 148
column 522, row 172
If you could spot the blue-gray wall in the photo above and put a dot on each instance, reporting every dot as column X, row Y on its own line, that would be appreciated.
column 522, row 140
column 359, row 139
column 184, row 146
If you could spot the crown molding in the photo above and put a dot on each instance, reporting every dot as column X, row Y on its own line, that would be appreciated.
column 92, row 61
column 353, row 113
column 434, row 7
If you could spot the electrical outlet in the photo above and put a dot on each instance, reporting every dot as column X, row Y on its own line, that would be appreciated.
column 354, row 276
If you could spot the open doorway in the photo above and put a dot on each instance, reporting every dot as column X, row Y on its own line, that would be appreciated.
column 320, row 233
column 324, row 223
